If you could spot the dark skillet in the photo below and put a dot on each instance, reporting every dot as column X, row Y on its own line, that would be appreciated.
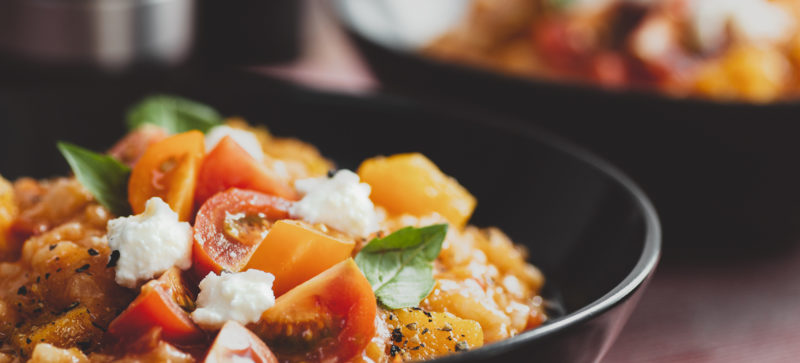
column 723, row 175
column 588, row 227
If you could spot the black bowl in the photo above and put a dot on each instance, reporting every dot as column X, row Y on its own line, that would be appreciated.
column 720, row 173
column 588, row 227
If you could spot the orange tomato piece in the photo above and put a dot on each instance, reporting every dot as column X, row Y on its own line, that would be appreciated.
column 411, row 183
column 295, row 251
column 168, row 169
column 228, row 165
column 329, row 318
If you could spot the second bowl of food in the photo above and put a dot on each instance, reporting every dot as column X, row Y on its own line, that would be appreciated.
column 691, row 98
column 742, row 50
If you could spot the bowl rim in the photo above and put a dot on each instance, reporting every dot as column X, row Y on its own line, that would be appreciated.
column 634, row 280
column 652, row 237
column 337, row 11
column 637, row 277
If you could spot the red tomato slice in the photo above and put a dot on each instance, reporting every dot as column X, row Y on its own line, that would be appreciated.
column 235, row 343
column 552, row 38
column 135, row 143
column 330, row 317
column 230, row 225
column 228, row 165
column 157, row 306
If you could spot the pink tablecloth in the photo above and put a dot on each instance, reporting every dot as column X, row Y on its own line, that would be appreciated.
column 723, row 311
column 729, row 311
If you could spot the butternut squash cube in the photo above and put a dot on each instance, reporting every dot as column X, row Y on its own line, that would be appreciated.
column 9, row 248
column 419, row 335
column 411, row 183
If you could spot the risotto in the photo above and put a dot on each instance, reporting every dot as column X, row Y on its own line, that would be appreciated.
column 747, row 50
column 202, row 238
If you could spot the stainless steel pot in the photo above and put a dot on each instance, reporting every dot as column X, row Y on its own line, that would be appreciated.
column 110, row 34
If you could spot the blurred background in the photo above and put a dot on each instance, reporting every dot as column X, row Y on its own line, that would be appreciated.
column 696, row 100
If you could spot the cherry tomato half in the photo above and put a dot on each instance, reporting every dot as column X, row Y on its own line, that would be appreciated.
column 228, row 165
column 168, row 169
column 230, row 225
column 235, row 343
column 330, row 317
column 159, row 305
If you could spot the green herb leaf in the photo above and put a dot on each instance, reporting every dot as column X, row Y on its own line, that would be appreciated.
column 104, row 177
column 400, row 266
column 561, row 4
column 174, row 114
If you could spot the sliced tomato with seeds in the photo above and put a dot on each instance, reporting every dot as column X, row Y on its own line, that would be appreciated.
column 180, row 288
column 230, row 225
column 168, row 169
column 330, row 317
column 160, row 305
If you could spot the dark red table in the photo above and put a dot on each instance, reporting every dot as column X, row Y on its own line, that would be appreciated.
column 725, row 311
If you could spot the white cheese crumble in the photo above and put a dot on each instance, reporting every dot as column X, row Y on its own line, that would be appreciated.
column 149, row 243
column 751, row 20
column 246, row 139
column 341, row 202
column 239, row 296
column 654, row 38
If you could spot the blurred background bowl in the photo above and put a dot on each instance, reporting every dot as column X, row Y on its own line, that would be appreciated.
column 720, row 173
column 591, row 230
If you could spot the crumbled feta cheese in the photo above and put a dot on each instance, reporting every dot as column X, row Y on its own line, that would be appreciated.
column 654, row 38
column 246, row 139
column 751, row 20
column 340, row 202
column 149, row 243
column 239, row 296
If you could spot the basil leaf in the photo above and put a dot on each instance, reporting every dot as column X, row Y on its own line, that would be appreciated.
column 174, row 114
column 400, row 266
column 104, row 177
column 561, row 4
